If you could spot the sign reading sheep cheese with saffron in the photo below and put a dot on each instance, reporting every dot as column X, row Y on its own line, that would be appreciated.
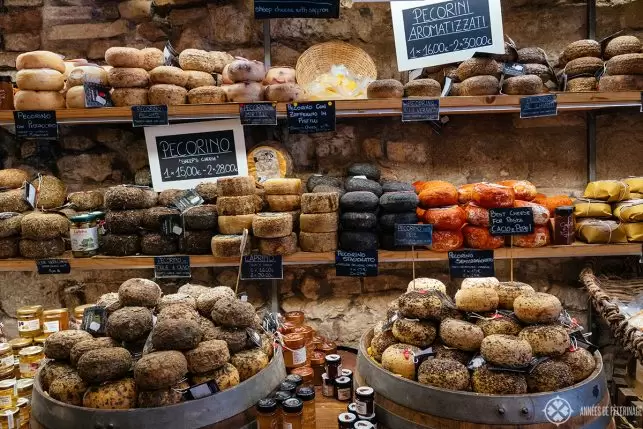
column 433, row 32
column 182, row 156
column 267, row 9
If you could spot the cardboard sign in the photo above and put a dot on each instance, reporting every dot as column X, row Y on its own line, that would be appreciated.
column 169, row 267
column 311, row 117
column 433, row 32
column 35, row 124
column 471, row 263
column 53, row 266
column 537, row 106
column 97, row 95
column 148, row 116
column 182, row 156
column 258, row 113
column 420, row 110
column 511, row 221
column 267, row 9
column 356, row 264
column 413, row 235
column 262, row 267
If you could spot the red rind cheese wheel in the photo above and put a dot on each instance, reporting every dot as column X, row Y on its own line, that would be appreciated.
column 492, row 196
column 445, row 241
column 523, row 189
column 539, row 238
column 552, row 202
column 478, row 237
column 437, row 194
column 465, row 193
column 541, row 213
column 476, row 215
column 450, row 218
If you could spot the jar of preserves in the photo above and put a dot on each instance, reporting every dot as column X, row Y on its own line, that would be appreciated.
column 306, row 373
column 79, row 311
column 295, row 317
column 9, row 419
column 294, row 378
column 333, row 366
column 564, row 225
column 363, row 424
column 287, row 327
column 317, row 363
column 8, row 394
column 293, row 413
column 30, row 360
column 307, row 396
column 347, row 373
column 329, row 348
column 294, row 350
column 8, row 374
column 55, row 320
column 287, row 386
column 29, row 321
column 40, row 341
column 280, row 397
column 24, row 407
column 365, row 400
column 18, row 344
column 346, row 420
column 24, row 386
column 6, row 356
column 344, row 389
column 267, row 414
column 327, row 386
column 83, row 234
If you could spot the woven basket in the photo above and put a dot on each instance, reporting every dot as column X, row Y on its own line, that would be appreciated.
column 318, row 59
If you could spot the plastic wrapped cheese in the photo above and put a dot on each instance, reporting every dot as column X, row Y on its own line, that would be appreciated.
column 436, row 193
column 450, row 218
column 552, row 202
column 523, row 189
column 490, row 195
column 339, row 83
column 607, row 190
column 600, row 231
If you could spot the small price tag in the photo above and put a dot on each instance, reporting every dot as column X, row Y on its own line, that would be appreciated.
column 471, row 263
column 94, row 320
column 513, row 69
column 413, row 235
column 53, row 266
column 262, row 267
column 30, row 194
column 97, row 96
column 641, row 101
column 189, row 199
column 34, row 124
column 356, row 264
column 171, row 225
column 169, row 267
column 199, row 391
column 511, row 221
column 311, row 117
column 147, row 116
column 537, row 106
column 258, row 113
column 420, row 110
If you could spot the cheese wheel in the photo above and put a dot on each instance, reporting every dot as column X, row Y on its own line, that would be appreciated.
column 539, row 238
column 129, row 97
column 506, row 350
column 87, row 74
column 272, row 225
column 537, row 307
column 385, row 88
column 476, row 215
column 477, row 299
column 284, row 92
column 13, row 178
column 541, row 213
column 283, row 203
column 235, row 186
column 124, row 57
column 553, row 202
column 523, row 189
column 128, row 78
column 196, row 59
column 483, row 282
column 170, row 95
column 450, row 218
column 40, row 80
column 423, row 88
column 169, row 75
column 197, row 79
column 232, row 206
column 546, row 340
column 276, row 75
column 152, row 58
column 228, row 246
column 478, row 237
column 509, row 291
column 398, row 201
column 436, row 194
column 400, row 360
column 282, row 186
column 425, row 283
column 242, row 70
column 446, row 241
column 246, row 92
column 461, row 335
column 225, row 75
column 75, row 97
column 320, row 202
column 318, row 222
column 38, row 100
column 491, row 196
column 269, row 160
column 318, row 241
column 235, row 224
column 465, row 193
column 278, row 246
column 40, row 60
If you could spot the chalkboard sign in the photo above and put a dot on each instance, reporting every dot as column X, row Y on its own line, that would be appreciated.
column 311, row 117
column 97, row 95
column 413, row 235
column 34, row 124
column 511, row 221
column 267, row 9
column 168, row 267
column 513, row 69
column 258, row 113
column 148, row 116
column 262, row 267
column 420, row 110
column 356, row 264
column 182, row 156
column 536, row 106
column 53, row 266
column 471, row 263
column 443, row 32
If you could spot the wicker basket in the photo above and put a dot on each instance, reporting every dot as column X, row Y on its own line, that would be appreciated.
column 318, row 59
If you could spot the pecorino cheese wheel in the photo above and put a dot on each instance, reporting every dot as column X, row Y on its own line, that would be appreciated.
column 242, row 70
column 546, row 340
column 228, row 246
column 128, row 78
column 40, row 60
column 478, row 237
column 230, row 225
column 541, row 213
column 528, row 84
column 580, row 48
column 282, row 186
column 170, row 95
column 422, row 88
column 318, row 222
column 450, row 218
column 130, row 97
column 399, row 201
column 537, row 307
column 425, row 283
column 284, row 92
column 75, row 97
column 385, row 88
column 318, row 241
column 581, row 362
column 483, row 282
column 169, row 75
column 476, row 299
column 581, row 84
column 40, row 80
column 629, row 82
column 283, row 203
column 622, row 45
column 87, row 74
column 509, row 291
column 276, row 75
column 278, row 246
column 583, row 65
column 539, row 238
column 235, row 186
column 240, row 205
column 210, row 62
column 491, row 196
column 477, row 85
column 465, row 193
column 446, row 241
column 197, row 79
column 414, row 332
column 506, row 350
column 124, row 57
column 423, row 304
column 245, row 92
column 478, row 67
column 625, row 64
column 272, row 225
column 321, row 202
column 207, row 95
column 400, row 359
column 38, row 100
column 532, row 55
column 461, row 335
column 152, row 57
column 436, row 194
column 476, row 215
column 523, row 189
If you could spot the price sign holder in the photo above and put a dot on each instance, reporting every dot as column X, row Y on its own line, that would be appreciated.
column 258, row 113
column 511, row 221
column 172, row 267
column 262, row 267
column 413, row 235
column 53, row 266
column 471, row 263
column 537, row 106
column 414, row 110
column 34, row 124
column 311, row 117
column 356, row 264
column 147, row 116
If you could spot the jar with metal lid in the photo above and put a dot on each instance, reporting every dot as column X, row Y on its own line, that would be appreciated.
column 363, row 424
column 8, row 394
column 55, row 320
column 99, row 216
column 8, row 373
column 328, row 348
column 30, row 360
column 18, row 344
column 344, row 389
column 267, row 414
column 280, row 397
column 306, row 373
column 29, row 321
column 287, row 327
column 295, row 317
column 6, row 93
column 40, row 341
column 294, row 378
column 307, row 395
column 293, row 413
column 25, row 388
column 287, row 386
column 346, row 420
column 24, row 406
column 371, row 419
column 352, row 408
column 79, row 311
column 327, row 386
column 317, row 363
column 6, row 356
column 294, row 350
column 347, row 373
column 9, row 419
column 365, row 400
column 334, row 366
column 83, row 234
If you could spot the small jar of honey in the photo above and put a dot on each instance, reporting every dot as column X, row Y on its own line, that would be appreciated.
column 29, row 321
column 55, row 320
column 6, row 356
column 30, row 360
column 8, row 394
column 79, row 311
column 25, row 388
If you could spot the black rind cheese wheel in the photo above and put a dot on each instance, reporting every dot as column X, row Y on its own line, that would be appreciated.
column 364, row 169
column 393, row 186
column 360, row 201
column 358, row 241
column 358, row 221
column 354, row 184
column 387, row 242
column 398, row 202
column 388, row 220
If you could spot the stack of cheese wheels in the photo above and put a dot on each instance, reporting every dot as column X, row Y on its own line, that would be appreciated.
column 237, row 203
column 524, row 194
column 14, row 207
column 281, row 85
column 359, row 206
column 204, row 70
column 78, row 77
column 623, row 66
column 438, row 206
column 40, row 80
column 630, row 212
column 477, row 76
column 580, row 61
column 283, row 196
column 168, row 86
column 318, row 222
column 486, row 196
column 534, row 62
column 201, row 224
column 274, row 233
column 398, row 205
column 246, row 77
column 128, row 76
column 42, row 235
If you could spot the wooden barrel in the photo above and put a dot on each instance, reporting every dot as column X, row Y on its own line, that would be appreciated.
column 230, row 409
column 406, row 404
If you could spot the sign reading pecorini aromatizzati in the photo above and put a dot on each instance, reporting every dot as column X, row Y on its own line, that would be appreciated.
column 182, row 156
column 434, row 32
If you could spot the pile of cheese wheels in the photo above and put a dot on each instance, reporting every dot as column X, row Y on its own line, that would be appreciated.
column 40, row 80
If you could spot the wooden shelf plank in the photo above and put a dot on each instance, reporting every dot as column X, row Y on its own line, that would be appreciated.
column 578, row 250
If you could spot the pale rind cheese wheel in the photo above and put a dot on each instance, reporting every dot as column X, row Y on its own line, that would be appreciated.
column 269, row 160
column 400, row 359
column 87, row 74
column 461, row 335
column 128, row 77
column 485, row 282
column 235, row 224
column 242, row 70
column 40, row 60
column 129, row 97
column 75, row 97
column 318, row 222
column 425, row 283
column 124, row 57
column 284, row 92
column 72, row 64
column 277, row 75
column 283, row 203
column 476, row 299
column 506, row 350
column 225, row 75
column 272, row 225
column 509, row 291
column 198, row 79
column 282, row 186
column 318, row 241
column 207, row 95
column 152, row 57
column 40, row 80
column 170, row 95
column 537, row 307
column 38, row 100
column 246, row 92
column 546, row 340
column 227, row 246
column 279, row 245
column 233, row 206
column 169, row 75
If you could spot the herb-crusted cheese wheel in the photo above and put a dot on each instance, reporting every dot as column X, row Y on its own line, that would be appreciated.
column 550, row 376
column 124, row 57
column 579, row 49
column 38, row 100
column 318, row 222
column 139, row 292
column 425, row 283
column 13, row 178
column 160, row 370
column 546, row 340
column 484, row 282
column 461, row 335
column 501, row 325
column 477, row 299
column 40, row 80
column 278, row 246
column 581, row 84
column 210, row 62
column 152, row 57
column 249, row 362
column 318, row 241
column 385, row 88
column 283, row 203
column 450, row 218
column 244, row 92
column 284, row 92
column 417, row 333
column 622, row 45
column 282, row 186
column 43, row 226
column 99, row 365
column 170, row 95
column 235, row 186
column 542, row 71
column 240, row 205
column 509, row 291
column 537, row 308
column 580, row 361
column 197, row 79
column 583, row 65
column 477, row 85
column 478, row 67
column 169, row 75
column 227, row 246
column 625, row 64
column 207, row 95
column 207, row 356
column 40, row 60
column 272, row 225
column 491, row 382
column 87, row 74
column 128, row 78
column 276, row 75
column 380, row 342
column 532, row 55
column 320, row 202
column 436, row 193
column 235, row 224
column 506, row 350
column 422, row 88
column 400, row 359
column 523, row 85
column 444, row 373
column 123, row 97
column 421, row 304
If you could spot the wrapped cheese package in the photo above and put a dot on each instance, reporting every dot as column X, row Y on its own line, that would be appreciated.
column 633, row 231
column 600, row 231
column 539, row 238
column 635, row 184
column 629, row 211
column 445, row 241
column 491, row 196
column 584, row 207
column 607, row 190
column 478, row 237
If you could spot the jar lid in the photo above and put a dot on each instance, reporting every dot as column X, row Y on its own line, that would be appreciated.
column 4, row 348
column 333, row 359
column 98, row 214
column 22, row 402
column 281, row 396
column 19, row 343
column 31, row 310
column 295, row 341
column 287, row 327
column 30, row 351
column 372, row 418
column 87, row 217
column 287, row 386
column 294, row 378
column 292, row 405
column 54, row 312
column 11, row 412
column 564, row 210
column 306, row 393
column 317, row 358
column 267, row 405
column 328, row 347
column 5, row 384
column 364, row 391
column 352, row 408
column 25, row 384
column 363, row 424
column 347, row 418
column 347, row 373
column 342, row 381
column 40, row 341
column 294, row 317
column 80, row 310
column 303, row 372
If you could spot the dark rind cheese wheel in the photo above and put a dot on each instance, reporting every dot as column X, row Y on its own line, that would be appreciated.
column 358, row 221
column 123, row 221
column 354, row 184
column 319, row 202
column 120, row 245
column 197, row 242
column 393, row 186
column 360, row 201
column 397, row 202
column 371, row 171
column 387, row 242
column 358, row 241
column 318, row 179
column 159, row 244
column 203, row 217
column 318, row 241
column 278, row 246
column 389, row 220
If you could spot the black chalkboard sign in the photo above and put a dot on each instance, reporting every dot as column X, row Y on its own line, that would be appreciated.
column 511, row 221
column 97, row 95
column 536, row 106
column 311, row 117
column 267, row 9
column 258, row 113
column 34, row 124
column 148, row 116
column 167, row 267
column 420, row 110
column 197, row 155
column 356, row 264
column 471, row 263
column 413, row 235
column 53, row 266
column 262, row 267
column 513, row 69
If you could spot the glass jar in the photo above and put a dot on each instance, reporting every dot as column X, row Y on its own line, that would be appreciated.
column 352, row 408
column 344, row 389
column 306, row 373
column 294, row 378
column 293, row 413
column 8, row 394
column 294, row 350
column 307, row 396
column 327, row 386
column 18, row 344
column 287, row 327
column 328, row 348
column 83, row 234
column 317, row 363
column 286, row 386
column 55, row 320
column 371, row 419
column 6, row 93
column 6, row 356
column 267, row 414
column 365, row 400
column 280, row 397
column 30, row 359
column 347, row 373
column 25, row 388
column 8, row 374
column 24, row 407
column 333, row 366
column 9, row 419
column 40, row 341
column 564, row 225
column 29, row 321
column 295, row 317
column 79, row 311
column 363, row 424
column 346, row 420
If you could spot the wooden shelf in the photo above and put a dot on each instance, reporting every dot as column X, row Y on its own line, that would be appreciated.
column 355, row 108
column 578, row 250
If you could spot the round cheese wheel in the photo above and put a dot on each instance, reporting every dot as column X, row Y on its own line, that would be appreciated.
column 197, row 79
column 235, row 224
column 225, row 75
column 247, row 92
column 170, row 95
column 546, row 340
column 227, row 246
column 129, row 97
column 128, row 77
column 40, row 60
column 87, row 74
column 506, row 350
column 75, row 97
column 152, row 57
column 277, row 75
column 235, row 186
column 537, row 307
column 320, row 202
column 385, row 88
column 318, row 222
column 541, row 213
column 124, row 57
column 40, row 80
column 478, row 237
column 38, row 100
column 269, row 160
column 422, row 88
column 284, row 92
column 491, row 196
column 169, row 75
column 72, row 64
column 207, row 95
column 484, row 282
column 318, row 241
column 242, row 70
column 509, row 291
column 476, row 215
column 283, row 203
column 461, row 335
column 539, row 238
column 436, row 193
column 272, row 225
column 282, row 186
column 465, row 193
column 477, row 299
column 450, row 218
column 446, row 241
column 278, row 246
column 523, row 189
column 425, row 283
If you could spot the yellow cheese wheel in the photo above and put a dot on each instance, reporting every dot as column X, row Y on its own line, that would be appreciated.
column 40, row 60
column 75, row 97
column 198, row 79
column 170, row 95
column 269, row 161
column 284, row 92
column 38, row 100
column 40, row 80
column 87, row 74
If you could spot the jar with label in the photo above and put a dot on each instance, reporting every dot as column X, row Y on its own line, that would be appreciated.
column 295, row 317
column 328, row 390
column 371, row 419
column 18, row 344
column 365, row 400
column 344, row 389
column 24, row 407
column 29, row 321
column 6, row 356
column 294, row 350
column 6, row 93
column 305, row 373
column 83, row 234
column 287, row 327
column 55, row 320
column 334, row 366
column 564, row 225
column 317, row 363
column 267, row 414
column 79, row 311
column 40, row 341
column 346, row 420
column 294, row 378
column 347, row 373
column 30, row 359
column 329, row 348
column 8, row 374
column 293, row 413
column 8, row 394
column 25, row 387
column 10, row 419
